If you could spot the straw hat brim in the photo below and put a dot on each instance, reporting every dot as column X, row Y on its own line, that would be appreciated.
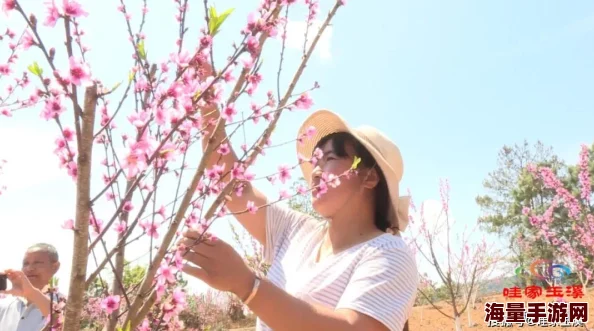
column 327, row 122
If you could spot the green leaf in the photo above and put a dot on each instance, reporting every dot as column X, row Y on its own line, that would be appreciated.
column 116, row 86
column 127, row 327
column 215, row 21
column 131, row 75
column 113, row 88
column 223, row 17
column 356, row 162
column 35, row 69
column 141, row 49
column 212, row 19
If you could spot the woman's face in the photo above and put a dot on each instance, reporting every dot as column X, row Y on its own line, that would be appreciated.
column 327, row 199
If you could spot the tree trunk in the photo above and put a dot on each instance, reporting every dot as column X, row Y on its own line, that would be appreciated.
column 458, row 323
column 80, row 248
column 118, row 273
column 118, row 280
column 469, row 318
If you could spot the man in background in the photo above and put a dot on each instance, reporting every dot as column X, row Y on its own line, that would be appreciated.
column 26, row 306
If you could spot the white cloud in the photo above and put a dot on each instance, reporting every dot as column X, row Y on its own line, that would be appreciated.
column 295, row 37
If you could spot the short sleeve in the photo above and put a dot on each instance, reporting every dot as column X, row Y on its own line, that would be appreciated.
column 281, row 224
column 383, row 286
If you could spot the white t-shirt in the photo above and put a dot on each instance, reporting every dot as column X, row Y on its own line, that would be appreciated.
column 378, row 277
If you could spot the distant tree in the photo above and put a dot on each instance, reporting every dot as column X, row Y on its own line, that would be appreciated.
column 461, row 270
column 508, row 188
column 302, row 202
column 568, row 220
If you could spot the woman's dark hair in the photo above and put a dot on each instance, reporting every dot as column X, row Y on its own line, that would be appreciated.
column 382, row 195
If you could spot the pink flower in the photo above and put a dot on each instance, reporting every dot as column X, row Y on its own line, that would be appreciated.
column 5, row 69
column 284, row 194
column 8, row 5
column 141, row 85
column 252, row 45
column 72, row 168
column 28, row 40
column 145, row 326
column 321, row 188
column 121, row 227
column 182, row 59
column 224, row 149
column 205, row 41
column 68, row 224
column 248, row 176
column 228, row 112
column 68, row 134
column 248, row 63
column 238, row 190
column 135, row 161
column 309, row 132
column 318, row 154
column 96, row 225
column 73, row 8
column 179, row 298
column 584, row 174
column 168, row 153
column 332, row 180
column 237, row 171
column 160, row 288
column 150, row 228
column 111, row 303
column 167, row 273
column 128, row 206
column 301, row 189
column 251, row 207
column 161, row 211
column 284, row 173
column 304, row 102
column 216, row 172
column 52, row 14
column 53, row 107
column 79, row 72
column 5, row 112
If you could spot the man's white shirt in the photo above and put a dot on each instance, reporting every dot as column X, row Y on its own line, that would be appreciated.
column 16, row 315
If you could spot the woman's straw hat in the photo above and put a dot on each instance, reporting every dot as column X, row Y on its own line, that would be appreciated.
column 384, row 151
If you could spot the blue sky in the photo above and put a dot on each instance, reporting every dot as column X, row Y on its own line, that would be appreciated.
column 450, row 83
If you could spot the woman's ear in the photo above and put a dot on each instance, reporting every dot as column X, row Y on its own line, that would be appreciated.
column 370, row 179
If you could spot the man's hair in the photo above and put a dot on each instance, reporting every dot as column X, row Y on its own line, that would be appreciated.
column 49, row 249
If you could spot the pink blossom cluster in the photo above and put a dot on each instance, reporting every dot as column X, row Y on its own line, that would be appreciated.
column 471, row 260
column 153, row 141
column 580, row 217
column 93, row 313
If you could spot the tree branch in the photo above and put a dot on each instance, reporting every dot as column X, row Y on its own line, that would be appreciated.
column 83, row 208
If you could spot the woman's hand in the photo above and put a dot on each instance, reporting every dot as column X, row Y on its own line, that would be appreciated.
column 217, row 264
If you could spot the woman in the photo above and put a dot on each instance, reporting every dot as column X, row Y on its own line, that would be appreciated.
column 351, row 272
